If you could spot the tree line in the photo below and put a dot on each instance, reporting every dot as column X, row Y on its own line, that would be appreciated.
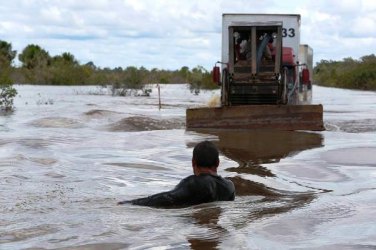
column 348, row 73
column 39, row 67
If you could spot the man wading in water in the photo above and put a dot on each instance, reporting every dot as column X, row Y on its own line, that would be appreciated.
column 201, row 187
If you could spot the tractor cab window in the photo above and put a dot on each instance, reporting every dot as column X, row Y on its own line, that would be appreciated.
column 242, row 45
column 242, row 42
column 253, row 48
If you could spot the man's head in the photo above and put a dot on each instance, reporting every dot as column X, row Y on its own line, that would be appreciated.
column 205, row 157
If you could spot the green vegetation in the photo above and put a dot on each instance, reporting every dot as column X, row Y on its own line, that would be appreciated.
column 7, row 92
column 39, row 67
column 348, row 73
column 200, row 78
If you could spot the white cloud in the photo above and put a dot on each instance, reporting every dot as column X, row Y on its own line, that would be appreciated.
column 364, row 26
column 172, row 33
column 52, row 14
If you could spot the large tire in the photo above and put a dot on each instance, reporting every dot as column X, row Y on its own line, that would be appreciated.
column 284, row 98
column 225, row 88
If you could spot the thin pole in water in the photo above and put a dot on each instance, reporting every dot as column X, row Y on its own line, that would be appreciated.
column 159, row 96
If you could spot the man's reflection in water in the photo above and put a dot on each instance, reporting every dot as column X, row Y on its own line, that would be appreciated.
column 252, row 148
column 209, row 218
column 254, row 169
column 272, row 203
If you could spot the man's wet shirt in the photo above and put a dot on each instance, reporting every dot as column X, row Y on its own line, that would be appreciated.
column 192, row 190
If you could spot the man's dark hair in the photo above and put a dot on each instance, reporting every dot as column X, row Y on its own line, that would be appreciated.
column 206, row 154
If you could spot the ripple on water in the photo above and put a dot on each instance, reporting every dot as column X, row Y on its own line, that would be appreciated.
column 17, row 160
column 362, row 156
column 13, row 161
column 334, row 210
column 55, row 175
column 140, row 123
column 4, row 141
column 27, row 233
column 43, row 161
column 33, row 142
column 56, row 122
column 48, row 140
column 352, row 126
column 98, row 246
column 296, row 226
column 136, row 166
column 98, row 113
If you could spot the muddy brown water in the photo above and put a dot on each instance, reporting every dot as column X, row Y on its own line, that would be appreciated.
column 69, row 154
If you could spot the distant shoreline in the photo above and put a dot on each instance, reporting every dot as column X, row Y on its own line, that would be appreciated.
column 348, row 73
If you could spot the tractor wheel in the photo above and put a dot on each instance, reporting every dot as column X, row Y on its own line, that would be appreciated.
column 284, row 98
column 225, row 88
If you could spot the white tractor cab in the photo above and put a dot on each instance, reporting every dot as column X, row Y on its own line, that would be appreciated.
column 259, row 64
column 264, row 83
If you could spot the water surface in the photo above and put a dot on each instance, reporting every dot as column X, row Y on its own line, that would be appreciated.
column 68, row 154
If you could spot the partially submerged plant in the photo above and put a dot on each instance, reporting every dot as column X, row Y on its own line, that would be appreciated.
column 7, row 94
column 126, row 90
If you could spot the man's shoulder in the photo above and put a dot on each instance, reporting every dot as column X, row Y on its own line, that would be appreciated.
column 205, row 179
column 197, row 181
column 189, row 178
column 214, row 179
column 187, row 181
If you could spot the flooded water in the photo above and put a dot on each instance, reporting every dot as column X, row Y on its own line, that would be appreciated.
column 69, row 154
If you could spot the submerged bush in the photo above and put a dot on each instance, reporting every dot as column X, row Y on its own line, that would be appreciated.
column 7, row 91
column 199, row 78
column 7, row 94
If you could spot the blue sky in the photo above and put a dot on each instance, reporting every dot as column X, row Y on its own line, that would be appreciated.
column 169, row 34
